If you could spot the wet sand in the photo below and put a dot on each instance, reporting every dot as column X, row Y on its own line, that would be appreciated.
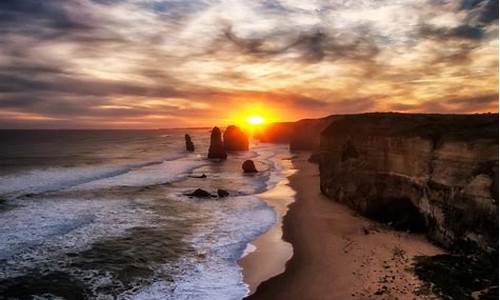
column 272, row 252
column 338, row 254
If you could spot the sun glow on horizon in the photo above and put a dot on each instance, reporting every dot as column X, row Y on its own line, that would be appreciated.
column 255, row 120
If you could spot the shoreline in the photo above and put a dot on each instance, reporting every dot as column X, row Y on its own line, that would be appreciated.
column 270, row 251
column 338, row 254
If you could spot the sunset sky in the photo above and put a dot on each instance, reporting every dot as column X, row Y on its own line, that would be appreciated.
column 153, row 63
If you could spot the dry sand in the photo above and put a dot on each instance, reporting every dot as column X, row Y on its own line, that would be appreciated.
column 337, row 254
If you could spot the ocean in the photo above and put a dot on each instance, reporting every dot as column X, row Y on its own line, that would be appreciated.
column 102, row 214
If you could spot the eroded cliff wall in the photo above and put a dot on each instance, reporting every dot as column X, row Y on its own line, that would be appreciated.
column 301, row 135
column 434, row 173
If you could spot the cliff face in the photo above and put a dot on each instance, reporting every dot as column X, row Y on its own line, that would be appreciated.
column 433, row 173
column 306, row 133
column 275, row 133
column 301, row 135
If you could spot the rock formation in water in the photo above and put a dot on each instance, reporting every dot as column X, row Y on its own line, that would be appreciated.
column 235, row 139
column 222, row 193
column 189, row 143
column 432, row 173
column 202, row 176
column 200, row 193
column 216, row 149
column 248, row 166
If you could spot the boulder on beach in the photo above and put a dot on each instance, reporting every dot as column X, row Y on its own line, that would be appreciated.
column 216, row 149
column 199, row 193
column 249, row 166
column 235, row 139
column 199, row 176
column 222, row 193
column 189, row 143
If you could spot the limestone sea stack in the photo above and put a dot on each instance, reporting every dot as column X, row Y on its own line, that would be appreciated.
column 216, row 149
column 235, row 139
column 189, row 143
column 249, row 166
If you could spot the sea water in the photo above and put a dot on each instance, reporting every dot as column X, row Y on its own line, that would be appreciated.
column 103, row 215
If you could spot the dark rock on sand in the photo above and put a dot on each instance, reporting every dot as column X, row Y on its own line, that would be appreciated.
column 460, row 276
column 199, row 193
column 249, row 166
column 189, row 143
column 222, row 193
column 216, row 149
column 235, row 139
column 199, row 176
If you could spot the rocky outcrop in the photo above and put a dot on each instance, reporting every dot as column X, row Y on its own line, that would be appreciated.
column 248, row 166
column 216, row 149
column 301, row 135
column 200, row 193
column 235, row 139
column 189, row 143
column 222, row 193
column 306, row 133
column 275, row 133
column 431, row 173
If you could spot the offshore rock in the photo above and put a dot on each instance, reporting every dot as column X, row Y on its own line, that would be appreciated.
column 235, row 139
column 189, row 143
column 249, row 166
column 216, row 149
column 199, row 193
column 222, row 193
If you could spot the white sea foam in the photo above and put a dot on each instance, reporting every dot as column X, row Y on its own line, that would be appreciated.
column 164, row 172
column 249, row 249
column 52, row 179
column 37, row 232
column 40, row 230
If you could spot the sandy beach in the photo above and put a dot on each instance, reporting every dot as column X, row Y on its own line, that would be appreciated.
column 336, row 253
column 271, row 251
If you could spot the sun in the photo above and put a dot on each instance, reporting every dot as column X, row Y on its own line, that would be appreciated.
column 255, row 120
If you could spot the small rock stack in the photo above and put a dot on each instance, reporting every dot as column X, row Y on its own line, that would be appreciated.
column 189, row 143
column 249, row 166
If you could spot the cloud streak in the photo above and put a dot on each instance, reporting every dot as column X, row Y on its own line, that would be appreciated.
column 159, row 63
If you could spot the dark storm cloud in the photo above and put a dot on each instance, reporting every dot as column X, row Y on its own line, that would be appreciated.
column 466, row 32
column 42, row 19
column 481, row 11
column 313, row 46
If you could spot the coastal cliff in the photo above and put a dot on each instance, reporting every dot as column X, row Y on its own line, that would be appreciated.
column 301, row 135
column 432, row 173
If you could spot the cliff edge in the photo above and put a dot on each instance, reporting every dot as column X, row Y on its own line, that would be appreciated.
column 432, row 173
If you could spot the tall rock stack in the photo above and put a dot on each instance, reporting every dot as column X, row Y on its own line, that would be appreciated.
column 189, row 143
column 235, row 139
column 216, row 149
